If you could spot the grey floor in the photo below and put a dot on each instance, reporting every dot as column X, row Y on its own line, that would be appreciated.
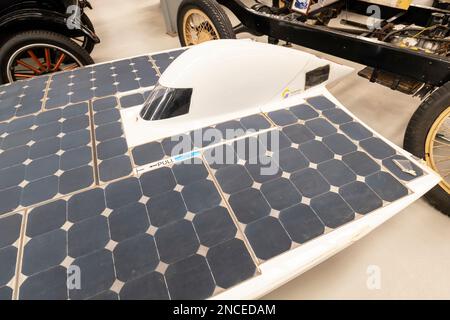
column 411, row 251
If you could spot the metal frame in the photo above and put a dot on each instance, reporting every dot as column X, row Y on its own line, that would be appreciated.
column 430, row 69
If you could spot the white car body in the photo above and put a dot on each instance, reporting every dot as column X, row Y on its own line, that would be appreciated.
column 230, row 79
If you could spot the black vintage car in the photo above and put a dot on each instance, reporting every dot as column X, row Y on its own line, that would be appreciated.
column 43, row 36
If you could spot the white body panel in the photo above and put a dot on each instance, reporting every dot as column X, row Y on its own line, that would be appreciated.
column 230, row 79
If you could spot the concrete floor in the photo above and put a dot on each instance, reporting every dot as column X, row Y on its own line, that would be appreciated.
column 412, row 250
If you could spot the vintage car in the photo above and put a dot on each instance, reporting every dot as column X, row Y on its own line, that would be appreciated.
column 42, row 37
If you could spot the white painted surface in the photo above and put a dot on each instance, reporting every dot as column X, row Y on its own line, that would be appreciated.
column 228, row 82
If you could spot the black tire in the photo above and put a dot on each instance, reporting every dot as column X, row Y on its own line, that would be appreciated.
column 416, row 135
column 26, row 38
column 213, row 11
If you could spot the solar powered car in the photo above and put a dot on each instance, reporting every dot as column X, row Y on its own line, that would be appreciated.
column 188, row 174
column 334, row 181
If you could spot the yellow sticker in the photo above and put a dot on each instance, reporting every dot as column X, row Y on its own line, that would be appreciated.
column 286, row 93
column 403, row 4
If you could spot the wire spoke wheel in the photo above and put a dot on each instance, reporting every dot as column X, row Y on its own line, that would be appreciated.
column 39, row 59
column 428, row 137
column 34, row 53
column 198, row 28
column 199, row 21
column 437, row 148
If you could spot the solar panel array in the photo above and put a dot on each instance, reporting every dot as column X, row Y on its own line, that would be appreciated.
column 111, row 146
column 10, row 231
column 329, row 170
column 22, row 98
column 45, row 156
column 71, row 196
column 153, row 237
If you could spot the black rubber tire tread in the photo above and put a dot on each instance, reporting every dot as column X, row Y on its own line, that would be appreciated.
column 416, row 135
column 39, row 36
column 213, row 10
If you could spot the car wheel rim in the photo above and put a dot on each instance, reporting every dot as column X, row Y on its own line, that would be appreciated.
column 198, row 28
column 39, row 59
column 437, row 148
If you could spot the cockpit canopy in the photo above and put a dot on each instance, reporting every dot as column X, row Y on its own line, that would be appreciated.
column 230, row 78
column 166, row 103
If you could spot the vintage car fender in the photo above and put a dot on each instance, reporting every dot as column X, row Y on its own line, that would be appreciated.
column 21, row 18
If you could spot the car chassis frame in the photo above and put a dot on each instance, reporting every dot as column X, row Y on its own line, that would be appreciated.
column 429, row 69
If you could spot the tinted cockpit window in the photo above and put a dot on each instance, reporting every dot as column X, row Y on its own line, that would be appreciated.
column 165, row 103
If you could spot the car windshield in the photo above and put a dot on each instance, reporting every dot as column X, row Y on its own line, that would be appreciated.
column 165, row 103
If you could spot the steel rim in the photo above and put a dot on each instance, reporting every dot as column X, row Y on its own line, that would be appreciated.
column 198, row 28
column 39, row 59
column 437, row 148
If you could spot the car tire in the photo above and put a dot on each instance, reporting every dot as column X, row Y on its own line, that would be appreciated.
column 422, row 124
column 211, row 10
column 41, row 37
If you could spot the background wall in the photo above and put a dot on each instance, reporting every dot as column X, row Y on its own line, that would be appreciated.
column 412, row 250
